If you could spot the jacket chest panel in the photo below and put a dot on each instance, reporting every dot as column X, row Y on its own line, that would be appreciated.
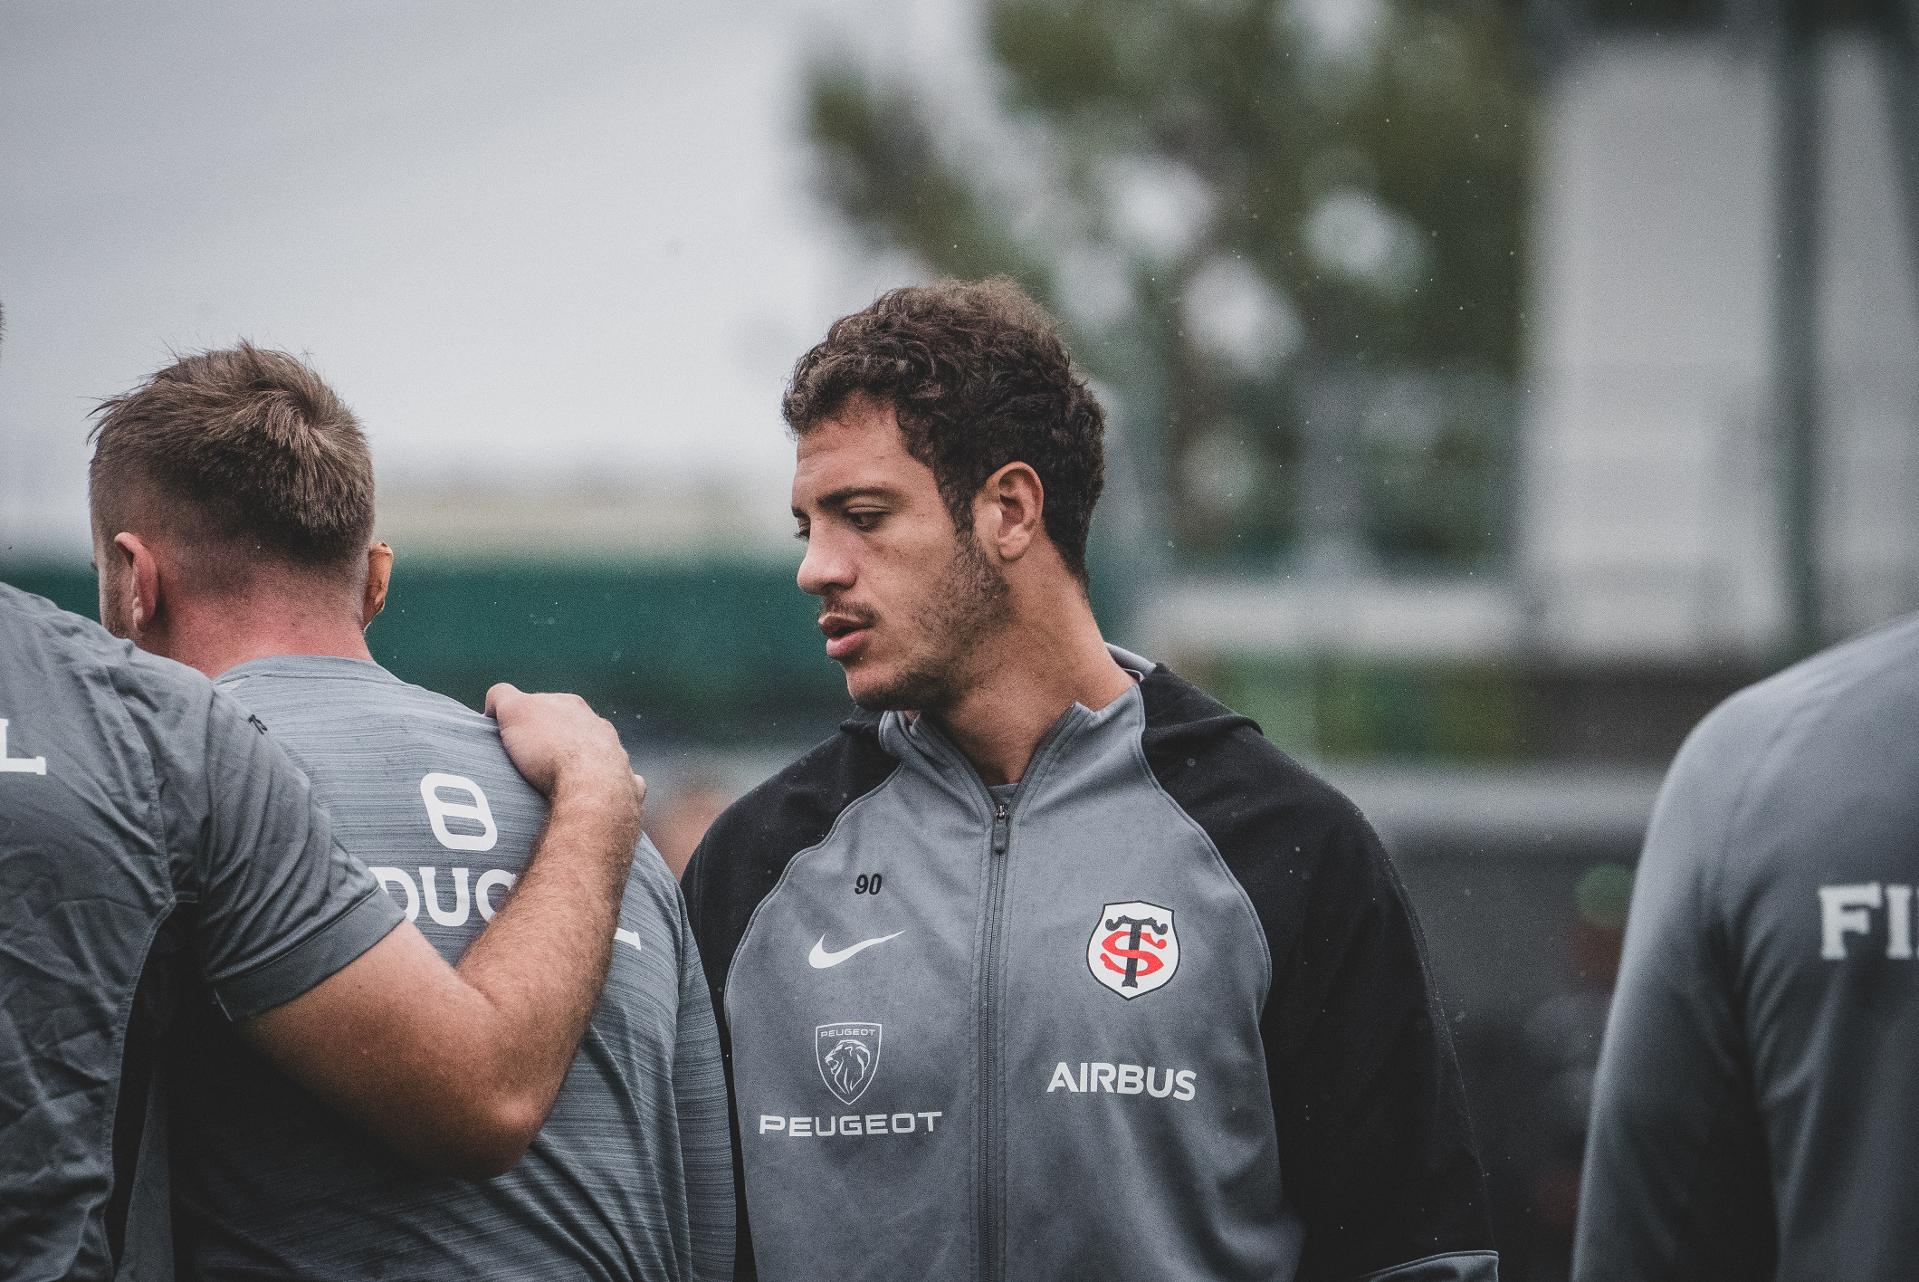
column 1134, row 978
column 997, row 1008
column 853, row 987
column 1117, row 931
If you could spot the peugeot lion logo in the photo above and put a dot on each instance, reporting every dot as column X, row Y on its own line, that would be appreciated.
column 849, row 1056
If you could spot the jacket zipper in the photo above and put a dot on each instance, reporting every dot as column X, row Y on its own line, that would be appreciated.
column 989, row 1140
column 993, row 1265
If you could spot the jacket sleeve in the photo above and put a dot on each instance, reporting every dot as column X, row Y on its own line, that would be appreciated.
column 1376, row 1147
column 1376, row 1153
column 706, row 911
column 1675, row 1182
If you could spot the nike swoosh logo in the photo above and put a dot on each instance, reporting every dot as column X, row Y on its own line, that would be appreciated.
column 821, row 959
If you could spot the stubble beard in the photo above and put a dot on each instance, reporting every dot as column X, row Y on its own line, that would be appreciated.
column 966, row 607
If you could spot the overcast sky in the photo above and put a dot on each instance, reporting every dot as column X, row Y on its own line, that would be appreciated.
column 529, row 242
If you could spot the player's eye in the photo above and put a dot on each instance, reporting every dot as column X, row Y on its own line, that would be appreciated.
column 802, row 532
column 864, row 519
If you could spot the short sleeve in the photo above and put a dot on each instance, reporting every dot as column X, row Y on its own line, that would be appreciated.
column 281, row 906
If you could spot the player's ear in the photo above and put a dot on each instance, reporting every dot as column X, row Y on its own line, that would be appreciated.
column 1012, row 499
column 140, row 585
column 379, row 573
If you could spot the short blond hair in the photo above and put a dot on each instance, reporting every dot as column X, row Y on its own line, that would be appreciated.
column 245, row 447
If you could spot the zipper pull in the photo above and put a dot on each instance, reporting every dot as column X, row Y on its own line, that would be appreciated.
column 1000, row 828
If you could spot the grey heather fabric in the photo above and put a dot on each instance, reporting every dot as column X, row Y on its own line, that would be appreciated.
column 631, row 1177
column 133, row 796
column 1754, row 1105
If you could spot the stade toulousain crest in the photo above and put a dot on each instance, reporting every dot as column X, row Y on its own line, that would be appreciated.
column 849, row 1058
column 1134, row 949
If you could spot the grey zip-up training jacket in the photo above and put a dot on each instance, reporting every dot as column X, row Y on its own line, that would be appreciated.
column 1159, row 1010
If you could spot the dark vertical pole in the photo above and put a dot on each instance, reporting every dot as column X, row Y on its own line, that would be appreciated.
column 1151, row 411
column 1796, row 313
column 1899, row 52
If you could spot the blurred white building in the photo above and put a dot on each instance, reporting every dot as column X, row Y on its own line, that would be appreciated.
column 1649, row 471
column 1650, row 504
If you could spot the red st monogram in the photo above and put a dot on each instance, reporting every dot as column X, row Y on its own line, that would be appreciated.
column 1134, row 949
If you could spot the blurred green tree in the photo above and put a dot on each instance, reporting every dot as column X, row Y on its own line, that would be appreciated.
column 1285, row 237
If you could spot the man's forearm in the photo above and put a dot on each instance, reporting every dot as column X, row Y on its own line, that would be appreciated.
column 542, row 960
column 457, row 1068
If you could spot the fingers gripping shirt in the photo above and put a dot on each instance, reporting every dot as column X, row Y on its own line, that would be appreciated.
column 145, row 828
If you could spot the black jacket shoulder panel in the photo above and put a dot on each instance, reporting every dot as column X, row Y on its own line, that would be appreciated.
column 1275, row 822
column 745, row 852
column 1371, row 1119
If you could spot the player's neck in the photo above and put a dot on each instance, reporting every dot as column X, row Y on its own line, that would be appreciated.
column 1043, row 662
column 215, row 639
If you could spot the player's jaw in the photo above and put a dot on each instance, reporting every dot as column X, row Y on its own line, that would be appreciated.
column 882, row 657
column 919, row 653
column 881, row 676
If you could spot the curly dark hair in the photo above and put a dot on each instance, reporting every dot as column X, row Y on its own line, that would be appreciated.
column 978, row 377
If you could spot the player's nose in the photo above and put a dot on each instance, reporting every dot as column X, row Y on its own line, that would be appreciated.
column 825, row 568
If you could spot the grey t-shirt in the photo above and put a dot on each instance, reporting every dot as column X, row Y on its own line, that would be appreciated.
column 630, row 1177
column 1754, row 1108
column 146, row 827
